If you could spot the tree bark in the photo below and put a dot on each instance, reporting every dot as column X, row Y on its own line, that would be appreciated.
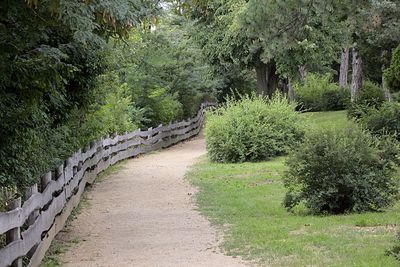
column 385, row 90
column 273, row 79
column 344, row 68
column 262, row 79
column 290, row 90
column 267, row 79
column 356, row 78
column 302, row 72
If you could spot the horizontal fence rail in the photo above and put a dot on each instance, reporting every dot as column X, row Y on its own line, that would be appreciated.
column 29, row 226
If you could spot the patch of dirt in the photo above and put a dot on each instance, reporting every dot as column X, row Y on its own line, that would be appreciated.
column 144, row 215
column 376, row 229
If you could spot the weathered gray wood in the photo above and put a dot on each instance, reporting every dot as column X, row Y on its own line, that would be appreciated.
column 132, row 134
column 33, row 190
column 89, row 153
column 10, row 219
column 14, row 234
column 32, row 235
column 73, row 183
column 52, row 187
column 45, row 180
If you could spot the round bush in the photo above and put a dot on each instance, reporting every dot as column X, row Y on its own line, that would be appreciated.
column 252, row 129
column 338, row 171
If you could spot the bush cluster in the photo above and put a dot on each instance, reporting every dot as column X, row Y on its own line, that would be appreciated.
column 319, row 93
column 253, row 128
column 338, row 171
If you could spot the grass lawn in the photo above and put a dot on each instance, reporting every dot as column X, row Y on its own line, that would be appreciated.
column 334, row 119
column 245, row 200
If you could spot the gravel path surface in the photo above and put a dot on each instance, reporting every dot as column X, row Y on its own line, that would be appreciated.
column 144, row 215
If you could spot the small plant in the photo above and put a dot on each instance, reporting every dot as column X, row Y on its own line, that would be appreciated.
column 338, row 171
column 319, row 93
column 253, row 128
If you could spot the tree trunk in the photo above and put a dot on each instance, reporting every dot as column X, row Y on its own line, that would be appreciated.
column 385, row 90
column 356, row 78
column 290, row 90
column 273, row 79
column 267, row 79
column 262, row 79
column 302, row 72
column 344, row 68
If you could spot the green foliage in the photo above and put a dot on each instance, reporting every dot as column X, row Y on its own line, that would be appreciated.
column 392, row 74
column 319, row 93
column 377, row 34
column 52, row 55
column 115, row 115
column 338, row 171
column 164, row 106
column 165, row 72
column 395, row 250
column 383, row 121
column 252, row 128
column 371, row 96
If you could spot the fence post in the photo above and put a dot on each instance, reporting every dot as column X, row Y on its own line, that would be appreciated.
column 45, row 180
column 29, row 192
column 32, row 217
column 15, row 233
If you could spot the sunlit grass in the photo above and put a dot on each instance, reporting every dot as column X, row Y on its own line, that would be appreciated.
column 245, row 200
column 333, row 119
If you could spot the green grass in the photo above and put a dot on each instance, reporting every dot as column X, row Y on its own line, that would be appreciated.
column 333, row 119
column 245, row 201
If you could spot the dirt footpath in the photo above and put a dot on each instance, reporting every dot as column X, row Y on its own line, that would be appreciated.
column 144, row 215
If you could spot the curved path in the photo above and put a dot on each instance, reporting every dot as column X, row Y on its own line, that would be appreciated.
column 144, row 216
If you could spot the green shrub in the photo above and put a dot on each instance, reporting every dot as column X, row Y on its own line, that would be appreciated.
column 337, row 99
column 383, row 121
column 338, row 171
column 252, row 129
column 392, row 74
column 319, row 93
column 112, row 116
column 395, row 250
column 163, row 106
column 371, row 96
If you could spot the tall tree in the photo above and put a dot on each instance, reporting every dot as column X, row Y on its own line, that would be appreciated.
column 344, row 68
column 275, row 38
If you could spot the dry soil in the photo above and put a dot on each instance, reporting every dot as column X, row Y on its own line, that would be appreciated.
column 144, row 215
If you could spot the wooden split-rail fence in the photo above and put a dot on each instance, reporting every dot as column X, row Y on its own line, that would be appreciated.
column 30, row 225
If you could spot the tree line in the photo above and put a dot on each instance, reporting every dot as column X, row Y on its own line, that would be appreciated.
column 74, row 71
column 282, row 41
